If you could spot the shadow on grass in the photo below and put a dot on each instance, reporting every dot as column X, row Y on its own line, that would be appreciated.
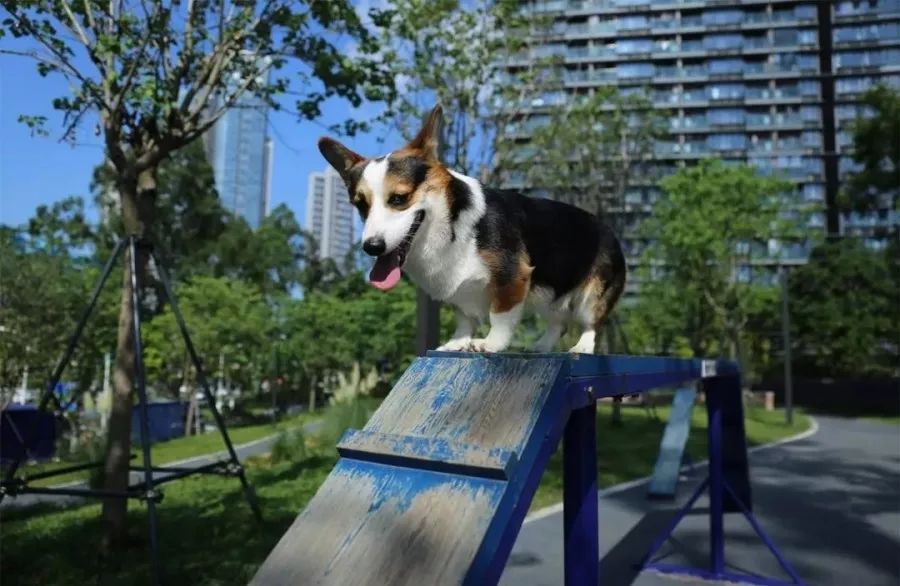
column 207, row 533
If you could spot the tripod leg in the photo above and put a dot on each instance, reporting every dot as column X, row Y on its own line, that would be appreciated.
column 204, row 383
column 150, row 493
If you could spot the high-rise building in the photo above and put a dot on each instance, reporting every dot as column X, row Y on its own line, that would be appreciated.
column 240, row 152
column 772, row 83
column 329, row 214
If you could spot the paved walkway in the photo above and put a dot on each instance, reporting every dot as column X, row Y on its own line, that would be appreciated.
column 830, row 501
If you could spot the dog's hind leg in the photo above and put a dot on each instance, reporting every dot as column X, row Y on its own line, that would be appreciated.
column 554, row 317
column 593, row 312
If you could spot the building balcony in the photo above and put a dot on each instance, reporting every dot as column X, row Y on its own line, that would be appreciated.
column 589, row 54
column 867, row 43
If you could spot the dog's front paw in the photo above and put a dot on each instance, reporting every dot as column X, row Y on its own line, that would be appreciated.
column 582, row 348
column 457, row 345
column 484, row 345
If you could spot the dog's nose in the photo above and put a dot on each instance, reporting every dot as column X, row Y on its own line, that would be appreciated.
column 374, row 246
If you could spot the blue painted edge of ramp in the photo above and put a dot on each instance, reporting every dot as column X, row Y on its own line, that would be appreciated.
column 664, row 481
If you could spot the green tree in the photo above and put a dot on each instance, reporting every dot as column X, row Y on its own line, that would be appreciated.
column 451, row 52
column 712, row 222
column 845, row 311
column 46, row 278
column 352, row 322
column 224, row 317
column 157, row 76
column 876, row 149
column 591, row 149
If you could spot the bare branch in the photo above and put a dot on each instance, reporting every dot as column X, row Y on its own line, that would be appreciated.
column 76, row 26
column 68, row 134
column 188, row 39
column 57, row 64
column 89, row 14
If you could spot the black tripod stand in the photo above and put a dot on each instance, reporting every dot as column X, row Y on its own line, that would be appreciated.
column 145, row 490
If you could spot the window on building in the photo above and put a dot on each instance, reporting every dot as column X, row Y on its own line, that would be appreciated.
column 810, row 113
column 632, row 22
column 813, row 192
column 785, row 37
column 807, row 37
column 719, row 17
column 626, row 46
column 725, row 66
column 631, row 70
column 726, row 142
column 811, row 139
column 805, row 11
column 721, row 42
column 725, row 91
column 725, row 116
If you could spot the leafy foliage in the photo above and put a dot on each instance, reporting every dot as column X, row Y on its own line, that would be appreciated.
column 709, row 226
column 845, row 309
column 590, row 150
column 876, row 148
column 449, row 51
column 226, row 317
column 45, row 284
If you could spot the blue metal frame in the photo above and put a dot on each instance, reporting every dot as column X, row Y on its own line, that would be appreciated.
column 719, row 489
column 591, row 377
column 428, row 438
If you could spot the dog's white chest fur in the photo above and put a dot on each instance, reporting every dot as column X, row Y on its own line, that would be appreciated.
column 450, row 269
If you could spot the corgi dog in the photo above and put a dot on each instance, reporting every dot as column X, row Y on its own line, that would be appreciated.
column 488, row 253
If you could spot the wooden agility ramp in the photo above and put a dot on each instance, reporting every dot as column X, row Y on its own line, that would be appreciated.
column 435, row 488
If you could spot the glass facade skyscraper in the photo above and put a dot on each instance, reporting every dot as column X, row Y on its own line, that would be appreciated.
column 773, row 83
column 240, row 152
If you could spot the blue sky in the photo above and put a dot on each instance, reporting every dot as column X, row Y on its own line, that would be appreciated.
column 42, row 170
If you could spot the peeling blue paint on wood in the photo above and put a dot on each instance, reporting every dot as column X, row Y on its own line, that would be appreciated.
column 427, row 453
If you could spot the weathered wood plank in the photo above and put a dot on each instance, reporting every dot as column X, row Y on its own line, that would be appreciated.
column 481, row 401
column 378, row 525
column 427, row 453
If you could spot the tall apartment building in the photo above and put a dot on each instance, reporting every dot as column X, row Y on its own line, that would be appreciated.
column 240, row 151
column 773, row 83
column 329, row 214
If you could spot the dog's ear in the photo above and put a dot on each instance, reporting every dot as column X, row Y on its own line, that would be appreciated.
column 429, row 138
column 337, row 155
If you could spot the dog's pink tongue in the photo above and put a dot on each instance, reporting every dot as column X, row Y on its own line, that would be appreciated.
column 386, row 272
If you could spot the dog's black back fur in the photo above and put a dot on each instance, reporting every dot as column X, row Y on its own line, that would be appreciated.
column 564, row 243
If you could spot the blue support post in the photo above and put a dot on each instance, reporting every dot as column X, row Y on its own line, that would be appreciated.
column 582, row 547
column 716, row 487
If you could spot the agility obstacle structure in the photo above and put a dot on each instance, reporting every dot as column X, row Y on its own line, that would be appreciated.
column 436, row 486
column 667, row 470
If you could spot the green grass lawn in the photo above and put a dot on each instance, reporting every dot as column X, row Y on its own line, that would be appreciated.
column 176, row 449
column 208, row 535
column 628, row 452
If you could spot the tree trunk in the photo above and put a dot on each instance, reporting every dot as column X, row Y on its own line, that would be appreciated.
column 312, row 394
column 137, row 195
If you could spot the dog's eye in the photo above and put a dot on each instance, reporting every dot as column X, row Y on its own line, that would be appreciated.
column 397, row 199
